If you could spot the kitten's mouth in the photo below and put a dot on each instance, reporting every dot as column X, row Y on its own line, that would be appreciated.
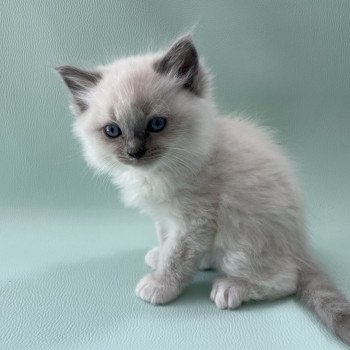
column 140, row 162
column 141, row 159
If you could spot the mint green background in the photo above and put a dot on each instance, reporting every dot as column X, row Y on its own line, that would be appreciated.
column 70, row 255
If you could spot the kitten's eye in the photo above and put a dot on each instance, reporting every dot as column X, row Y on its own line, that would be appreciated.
column 112, row 130
column 156, row 124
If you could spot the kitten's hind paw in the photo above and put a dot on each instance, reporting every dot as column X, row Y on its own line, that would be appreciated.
column 228, row 293
column 151, row 258
column 156, row 291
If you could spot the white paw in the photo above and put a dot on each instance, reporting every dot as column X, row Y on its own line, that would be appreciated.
column 155, row 291
column 151, row 258
column 227, row 293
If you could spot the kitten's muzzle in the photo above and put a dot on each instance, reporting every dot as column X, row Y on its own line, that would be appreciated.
column 135, row 147
column 138, row 154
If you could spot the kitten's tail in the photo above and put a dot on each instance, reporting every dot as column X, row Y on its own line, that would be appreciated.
column 318, row 293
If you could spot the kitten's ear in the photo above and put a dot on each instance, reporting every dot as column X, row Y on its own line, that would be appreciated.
column 182, row 61
column 79, row 83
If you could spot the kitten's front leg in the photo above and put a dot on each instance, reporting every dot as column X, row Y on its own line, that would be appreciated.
column 152, row 256
column 178, row 261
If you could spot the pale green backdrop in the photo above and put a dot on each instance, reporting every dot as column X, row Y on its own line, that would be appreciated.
column 70, row 255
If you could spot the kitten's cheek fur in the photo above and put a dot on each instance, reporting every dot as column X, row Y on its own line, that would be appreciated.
column 156, row 291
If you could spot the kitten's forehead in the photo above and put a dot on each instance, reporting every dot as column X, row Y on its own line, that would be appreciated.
column 133, row 84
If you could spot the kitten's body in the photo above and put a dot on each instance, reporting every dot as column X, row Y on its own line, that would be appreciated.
column 221, row 192
column 251, row 197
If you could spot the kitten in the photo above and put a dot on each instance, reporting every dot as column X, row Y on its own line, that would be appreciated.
column 221, row 192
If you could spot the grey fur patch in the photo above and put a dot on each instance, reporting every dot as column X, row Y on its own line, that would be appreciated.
column 79, row 82
column 342, row 327
column 182, row 60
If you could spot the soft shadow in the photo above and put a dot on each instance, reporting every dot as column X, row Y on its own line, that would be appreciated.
column 199, row 290
column 253, row 305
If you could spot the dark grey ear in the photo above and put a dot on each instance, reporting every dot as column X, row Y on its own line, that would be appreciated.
column 182, row 61
column 79, row 82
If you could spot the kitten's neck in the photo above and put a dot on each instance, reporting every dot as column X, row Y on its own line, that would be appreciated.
column 157, row 186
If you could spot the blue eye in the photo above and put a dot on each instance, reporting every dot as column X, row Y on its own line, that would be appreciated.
column 156, row 124
column 112, row 130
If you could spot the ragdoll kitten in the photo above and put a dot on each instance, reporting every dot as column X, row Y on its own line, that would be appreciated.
column 221, row 192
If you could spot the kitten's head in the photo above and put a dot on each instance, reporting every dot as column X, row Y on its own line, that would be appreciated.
column 143, row 112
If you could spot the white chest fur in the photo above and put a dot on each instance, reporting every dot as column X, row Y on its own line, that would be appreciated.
column 151, row 193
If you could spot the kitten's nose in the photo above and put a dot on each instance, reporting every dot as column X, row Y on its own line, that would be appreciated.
column 137, row 155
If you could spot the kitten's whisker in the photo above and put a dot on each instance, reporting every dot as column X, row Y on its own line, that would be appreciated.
column 182, row 162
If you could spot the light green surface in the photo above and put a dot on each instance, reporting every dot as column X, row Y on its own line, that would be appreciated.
column 70, row 255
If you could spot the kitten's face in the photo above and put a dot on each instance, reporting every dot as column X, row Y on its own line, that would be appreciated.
column 144, row 112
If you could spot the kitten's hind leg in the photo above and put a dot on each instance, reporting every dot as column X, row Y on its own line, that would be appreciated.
column 230, row 292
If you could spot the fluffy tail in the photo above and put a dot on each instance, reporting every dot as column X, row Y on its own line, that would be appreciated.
column 318, row 293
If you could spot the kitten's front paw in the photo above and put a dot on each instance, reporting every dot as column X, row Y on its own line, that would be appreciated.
column 151, row 258
column 155, row 291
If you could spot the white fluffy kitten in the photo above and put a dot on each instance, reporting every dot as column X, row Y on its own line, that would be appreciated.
column 221, row 192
